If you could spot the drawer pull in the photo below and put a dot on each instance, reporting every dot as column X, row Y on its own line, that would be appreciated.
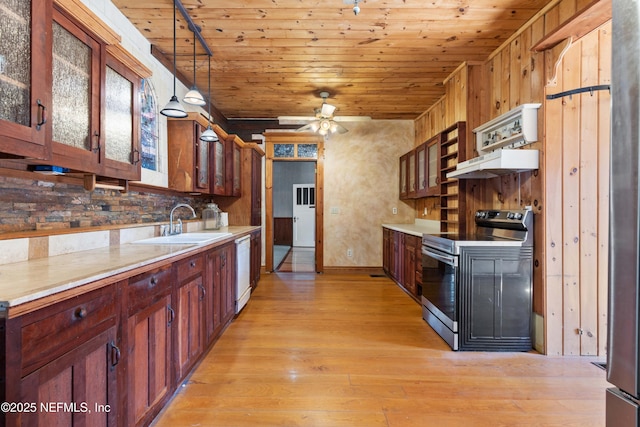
column 192, row 264
column 115, row 354
column 81, row 312
column 153, row 281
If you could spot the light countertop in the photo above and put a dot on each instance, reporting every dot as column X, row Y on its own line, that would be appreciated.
column 418, row 228
column 27, row 281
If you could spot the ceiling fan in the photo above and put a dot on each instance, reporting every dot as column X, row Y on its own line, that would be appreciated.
column 324, row 122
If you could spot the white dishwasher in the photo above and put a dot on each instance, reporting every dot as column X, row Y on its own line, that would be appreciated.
column 243, row 272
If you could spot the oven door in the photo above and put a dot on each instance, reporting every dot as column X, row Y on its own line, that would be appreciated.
column 440, row 293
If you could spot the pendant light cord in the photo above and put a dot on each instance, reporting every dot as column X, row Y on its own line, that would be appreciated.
column 209, row 109
column 194, row 57
column 174, row 47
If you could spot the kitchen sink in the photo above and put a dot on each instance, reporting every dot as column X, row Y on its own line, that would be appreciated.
column 184, row 239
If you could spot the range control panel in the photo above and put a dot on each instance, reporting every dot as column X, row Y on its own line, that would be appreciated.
column 517, row 218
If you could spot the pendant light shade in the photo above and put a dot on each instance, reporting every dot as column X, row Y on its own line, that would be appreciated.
column 174, row 108
column 194, row 97
column 209, row 135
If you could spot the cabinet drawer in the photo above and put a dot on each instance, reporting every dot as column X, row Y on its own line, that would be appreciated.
column 53, row 331
column 146, row 288
column 190, row 267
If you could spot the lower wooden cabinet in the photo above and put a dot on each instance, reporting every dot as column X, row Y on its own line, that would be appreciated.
column 76, row 389
column 256, row 258
column 220, row 305
column 114, row 356
column 402, row 260
column 149, row 361
column 190, row 325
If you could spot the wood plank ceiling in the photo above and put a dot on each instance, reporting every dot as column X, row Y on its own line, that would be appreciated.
column 273, row 57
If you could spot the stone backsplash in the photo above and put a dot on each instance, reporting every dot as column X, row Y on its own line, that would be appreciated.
column 38, row 204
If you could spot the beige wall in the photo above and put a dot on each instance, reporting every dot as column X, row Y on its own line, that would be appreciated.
column 361, row 181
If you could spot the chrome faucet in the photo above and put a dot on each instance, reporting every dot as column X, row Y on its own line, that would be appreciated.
column 178, row 228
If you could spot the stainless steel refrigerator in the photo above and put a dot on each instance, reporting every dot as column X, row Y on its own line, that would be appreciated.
column 623, row 346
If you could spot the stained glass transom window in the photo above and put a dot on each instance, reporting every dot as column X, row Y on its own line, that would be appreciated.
column 283, row 150
column 309, row 151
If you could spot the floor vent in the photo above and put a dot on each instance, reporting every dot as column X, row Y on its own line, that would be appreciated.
column 600, row 365
column 377, row 275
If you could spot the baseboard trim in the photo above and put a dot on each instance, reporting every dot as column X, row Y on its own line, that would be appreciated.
column 353, row 270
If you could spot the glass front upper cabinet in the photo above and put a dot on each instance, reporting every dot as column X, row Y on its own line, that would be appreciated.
column 75, row 116
column 25, row 78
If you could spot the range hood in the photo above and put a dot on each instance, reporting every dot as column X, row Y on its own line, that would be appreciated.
column 496, row 163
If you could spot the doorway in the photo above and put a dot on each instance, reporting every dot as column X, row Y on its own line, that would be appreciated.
column 293, row 159
column 294, row 204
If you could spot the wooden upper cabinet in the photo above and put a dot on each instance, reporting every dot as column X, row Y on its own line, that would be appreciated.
column 411, row 175
column 75, row 110
column 218, row 162
column 95, row 117
column 421, row 170
column 432, row 166
column 189, row 163
column 68, row 102
column 403, row 176
column 236, row 183
column 25, row 79
column 121, row 157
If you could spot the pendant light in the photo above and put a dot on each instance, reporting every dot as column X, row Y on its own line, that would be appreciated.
column 174, row 108
column 194, row 97
column 209, row 135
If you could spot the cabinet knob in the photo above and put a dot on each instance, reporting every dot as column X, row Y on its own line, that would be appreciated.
column 192, row 264
column 81, row 312
column 153, row 281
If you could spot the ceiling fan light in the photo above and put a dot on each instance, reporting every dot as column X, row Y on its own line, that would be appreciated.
column 174, row 109
column 209, row 135
column 194, row 97
column 325, row 125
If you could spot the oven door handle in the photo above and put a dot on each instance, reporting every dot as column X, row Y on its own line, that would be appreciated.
column 447, row 259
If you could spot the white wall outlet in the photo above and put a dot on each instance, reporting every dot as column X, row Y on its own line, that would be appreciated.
column 349, row 252
column 394, row 210
column 335, row 210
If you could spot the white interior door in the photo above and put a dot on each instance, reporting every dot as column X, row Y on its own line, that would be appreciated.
column 304, row 215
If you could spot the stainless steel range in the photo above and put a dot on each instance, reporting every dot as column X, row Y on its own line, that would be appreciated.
column 477, row 289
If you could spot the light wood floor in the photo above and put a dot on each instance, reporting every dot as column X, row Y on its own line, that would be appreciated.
column 298, row 260
column 352, row 350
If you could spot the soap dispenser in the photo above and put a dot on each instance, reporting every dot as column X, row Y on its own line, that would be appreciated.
column 211, row 217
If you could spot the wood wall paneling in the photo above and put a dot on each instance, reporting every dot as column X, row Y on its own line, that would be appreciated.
column 577, row 173
column 571, row 184
column 283, row 231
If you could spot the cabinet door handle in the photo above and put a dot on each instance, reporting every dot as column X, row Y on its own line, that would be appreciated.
column 81, row 312
column 172, row 315
column 135, row 156
column 42, row 114
column 115, row 354
column 97, row 137
column 204, row 292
